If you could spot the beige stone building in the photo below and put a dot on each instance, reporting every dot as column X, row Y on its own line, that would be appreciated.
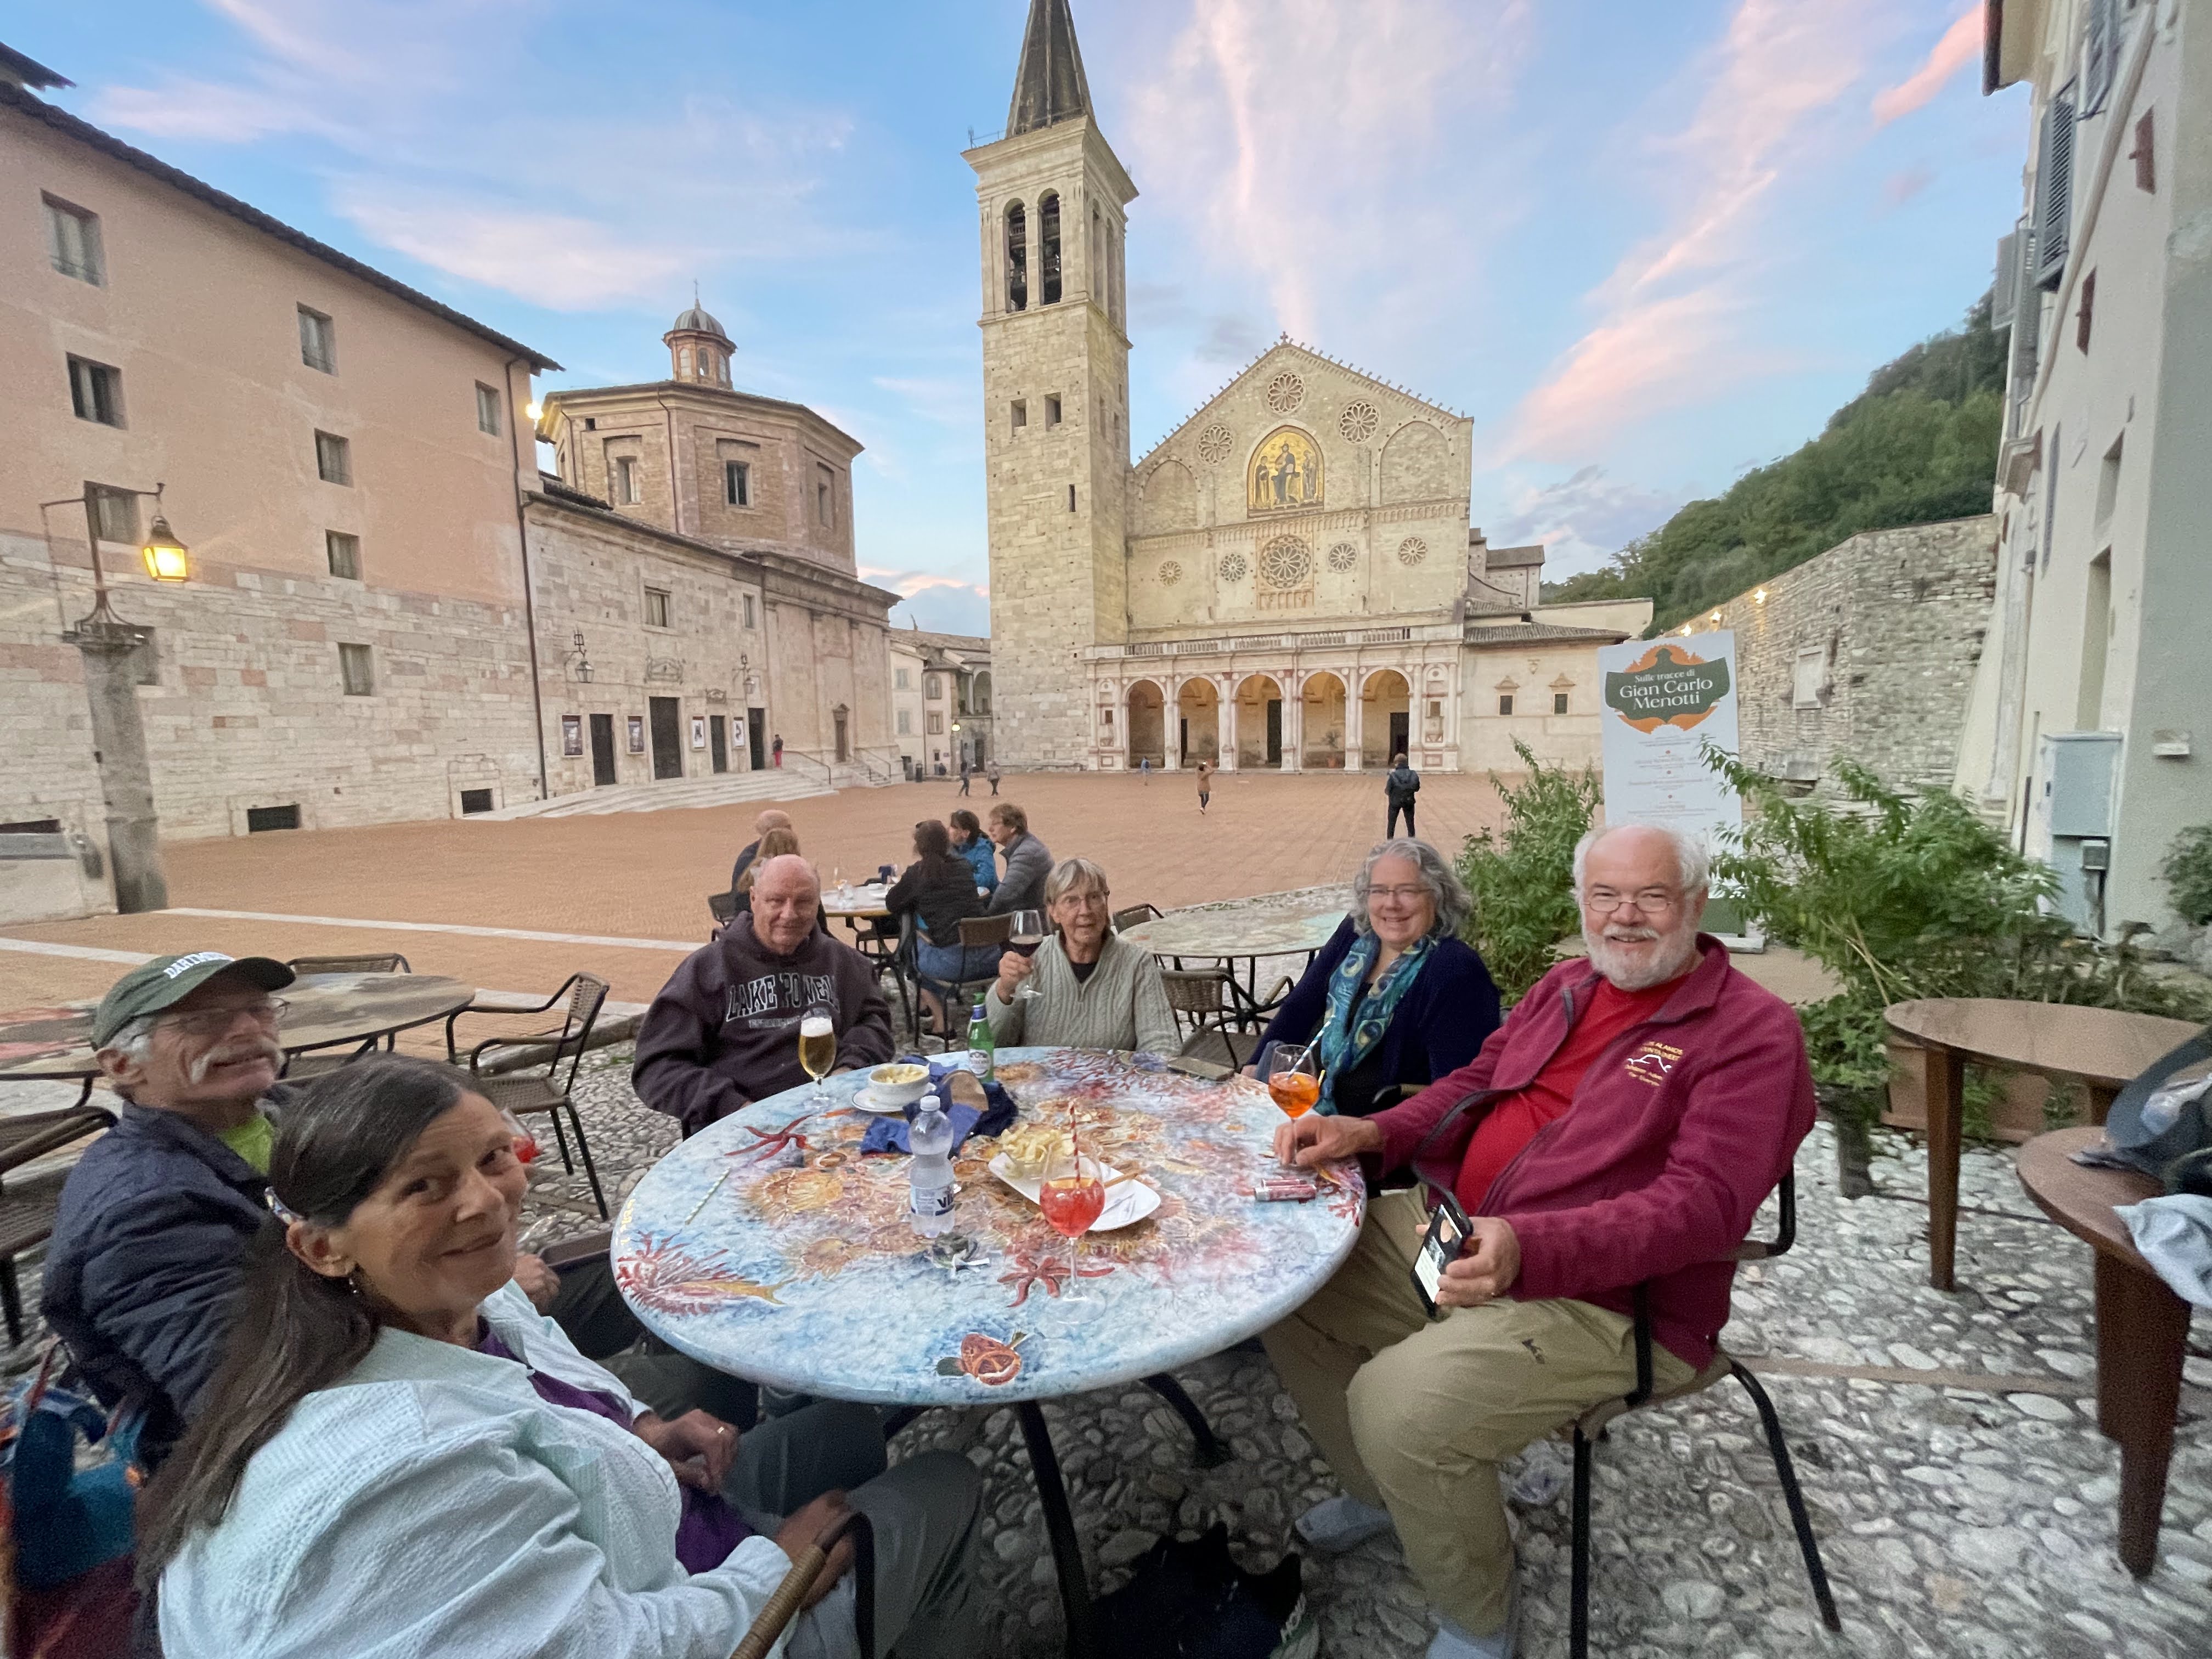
column 940, row 700
column 1289, row 579
column 391, row 614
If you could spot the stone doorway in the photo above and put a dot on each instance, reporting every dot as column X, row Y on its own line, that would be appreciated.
column 757, row 738
column 718, row 742
column 603, row 750
column 1147, row 725
column 1385, row 717
column 1259, row 723
column 1322, row 714
column 667, row 722
column 1197, row 722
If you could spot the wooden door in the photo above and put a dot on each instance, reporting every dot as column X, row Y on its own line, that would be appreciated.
column 603, row 750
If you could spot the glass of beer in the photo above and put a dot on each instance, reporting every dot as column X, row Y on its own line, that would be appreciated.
column 1027, row 933
column 1293, row 1078
column 1073, row 1195
column 817, row 1046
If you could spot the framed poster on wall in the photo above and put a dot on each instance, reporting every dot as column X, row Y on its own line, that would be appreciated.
column 572, row 735
column 698, row 731
column 637, row 734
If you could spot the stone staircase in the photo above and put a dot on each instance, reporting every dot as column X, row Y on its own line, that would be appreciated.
column 731, row 789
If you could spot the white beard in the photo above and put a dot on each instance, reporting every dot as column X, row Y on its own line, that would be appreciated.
column 1670, row 961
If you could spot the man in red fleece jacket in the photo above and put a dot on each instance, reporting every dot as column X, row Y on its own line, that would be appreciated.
column 1621, row 1128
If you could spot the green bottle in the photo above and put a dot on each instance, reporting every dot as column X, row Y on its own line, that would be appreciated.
column 982, row 1047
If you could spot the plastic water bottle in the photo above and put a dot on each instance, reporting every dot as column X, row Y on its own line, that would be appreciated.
column 982, row 1047
column 929, row 1171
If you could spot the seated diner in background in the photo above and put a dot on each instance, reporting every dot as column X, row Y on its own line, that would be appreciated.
column 724, row 1031
column 150, row 1240
column 774, row 844
column 939, row 889
column 1620, row 1129
column 973, row 845
column 1396, row 998
column 772, row 818
column 1086, row 987
column 399, row 1454
column 1029, row 861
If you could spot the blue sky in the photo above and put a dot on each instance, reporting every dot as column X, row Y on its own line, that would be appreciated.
column 1645, row 243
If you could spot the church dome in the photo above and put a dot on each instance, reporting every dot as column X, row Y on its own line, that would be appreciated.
column 698, row 321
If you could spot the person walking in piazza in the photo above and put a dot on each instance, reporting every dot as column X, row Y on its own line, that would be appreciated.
column 992, row 773
column 1616, row 1134
column 1399, row 785
column 1145, row 767
column 776, row 748
column 963, row 775
column 1205, row 785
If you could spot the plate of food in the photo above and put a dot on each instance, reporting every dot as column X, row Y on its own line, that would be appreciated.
column 893, row 1089
column 1027, row 1150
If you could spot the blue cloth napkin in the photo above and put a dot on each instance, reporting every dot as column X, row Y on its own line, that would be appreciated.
column 887, row 1134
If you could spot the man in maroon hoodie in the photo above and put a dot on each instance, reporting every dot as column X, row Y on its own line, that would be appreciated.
column 1620, row 1128
column 724, row 1031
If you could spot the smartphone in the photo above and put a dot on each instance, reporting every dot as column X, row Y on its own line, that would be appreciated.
column 1440, row 1248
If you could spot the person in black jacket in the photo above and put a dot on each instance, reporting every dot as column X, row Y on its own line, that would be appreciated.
column 1400, row 784
column 939, row 888
column 150, row 1245
column 1394, row 998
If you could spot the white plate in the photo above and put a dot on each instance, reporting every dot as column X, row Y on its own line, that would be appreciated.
column 1131, row 1201
column 868, row 1100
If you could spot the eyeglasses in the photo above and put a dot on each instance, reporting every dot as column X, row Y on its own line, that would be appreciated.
column 1652, row 901
column 203, row 1022
column 1412, row 892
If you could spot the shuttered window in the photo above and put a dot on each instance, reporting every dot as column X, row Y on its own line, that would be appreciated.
column 2054, row 191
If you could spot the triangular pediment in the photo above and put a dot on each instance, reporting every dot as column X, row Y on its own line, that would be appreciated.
column 1300, row 362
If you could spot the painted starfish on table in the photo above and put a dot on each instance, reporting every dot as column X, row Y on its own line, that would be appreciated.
column 771, row 1143
column 1028, row 1272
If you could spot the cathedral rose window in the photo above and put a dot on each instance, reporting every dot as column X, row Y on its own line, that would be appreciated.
column 1343, row 556
column 1232, row 567
column 1359, row 420
column 1285, row 562
column 1213, row 444
column 1412, row 550
column 1171, row 572
column 1285, row 392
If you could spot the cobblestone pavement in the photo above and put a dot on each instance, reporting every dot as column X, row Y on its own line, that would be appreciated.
column 1955, row 1521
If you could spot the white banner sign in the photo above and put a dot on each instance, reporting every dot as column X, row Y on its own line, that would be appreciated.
column 1663, row 700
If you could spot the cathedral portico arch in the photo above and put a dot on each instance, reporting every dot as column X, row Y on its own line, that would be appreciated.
column 1147, row 739
column 1320, row 721
column 1198, row 711
column 1259, row 723
column 1386, row 698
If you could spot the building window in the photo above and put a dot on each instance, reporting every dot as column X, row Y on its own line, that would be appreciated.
column 1048, row 247
column 656, row 607
column 2145, row 155
column 572, row 736
column 1558, row 703
column 1808, row 677
column 333, row 459
column 750, row 622
column 901, row 680
column 1052, row 410
column 319, row 341
column 344, row 554
column 73, row 242
column 487, row 408
column 1021, row 411
column 736, row 484
column 1018, row 258
column 932, row 687
column 95, row 392
column 1505, row 702
column 2082, row 318
column 825, row 503
column 936, row 723
column 1070, row 498
column 905, row 723
column 625, row 481
column 357, row 669
column 114, row 512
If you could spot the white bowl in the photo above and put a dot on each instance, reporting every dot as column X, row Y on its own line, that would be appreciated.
column 890, row 1092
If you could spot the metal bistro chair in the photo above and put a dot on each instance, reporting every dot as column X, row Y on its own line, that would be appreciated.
column 790, row 1596
column 724, row 908
column 527, row 1090
column 1201, row 1002
column 26, row 1212
column 973, row 931
column 1124, row 919
column 312, row 1063
column 1591, row 1427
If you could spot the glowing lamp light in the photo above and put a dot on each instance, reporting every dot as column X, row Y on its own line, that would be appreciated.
column 1716, row 619
column 1759, row 597
column 535, row 410
column 167, row 559
column 1686, row 627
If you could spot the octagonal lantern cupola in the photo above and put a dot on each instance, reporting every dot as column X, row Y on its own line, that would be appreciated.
column 698, row 350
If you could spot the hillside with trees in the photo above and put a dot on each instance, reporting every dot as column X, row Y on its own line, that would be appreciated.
column 1919, row 444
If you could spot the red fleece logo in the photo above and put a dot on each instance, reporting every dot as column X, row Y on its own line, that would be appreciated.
column 1653, row 1063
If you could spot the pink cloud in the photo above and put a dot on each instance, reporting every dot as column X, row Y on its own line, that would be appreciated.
column 1960, row 45
column 1901, row 187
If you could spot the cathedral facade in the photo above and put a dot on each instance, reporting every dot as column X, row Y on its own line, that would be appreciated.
column 1289, row 579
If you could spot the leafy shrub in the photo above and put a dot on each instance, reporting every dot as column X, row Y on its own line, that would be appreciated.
column 1523, row 880
column 2188, row 872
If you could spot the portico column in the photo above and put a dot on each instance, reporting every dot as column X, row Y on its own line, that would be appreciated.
column 1171, row 724
column 1294, row 723
column 1353, row 733
column 1228, row 725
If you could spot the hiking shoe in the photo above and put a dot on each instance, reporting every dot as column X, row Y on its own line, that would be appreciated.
column 1340, row 1524
column 1450, row 1642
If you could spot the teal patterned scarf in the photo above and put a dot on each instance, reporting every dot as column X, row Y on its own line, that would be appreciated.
column 1344, row 1041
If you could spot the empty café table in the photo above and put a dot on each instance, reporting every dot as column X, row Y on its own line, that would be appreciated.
column 320, row 1011
column 768, row 1247
column 2102, row 1048
column 1234, row 936
column 2143, row 1327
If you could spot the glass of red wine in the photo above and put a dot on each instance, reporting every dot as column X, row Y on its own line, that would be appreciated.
column 1027, row 933
column 1073, row 1195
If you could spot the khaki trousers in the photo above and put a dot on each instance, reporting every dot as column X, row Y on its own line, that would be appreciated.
column 1414, row 1413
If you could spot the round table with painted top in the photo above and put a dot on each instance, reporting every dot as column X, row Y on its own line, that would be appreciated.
column 321, row 1011
column 768, row 1246
column 1234, row 936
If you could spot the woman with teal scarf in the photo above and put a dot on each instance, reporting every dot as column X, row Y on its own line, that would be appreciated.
column 1396, row 999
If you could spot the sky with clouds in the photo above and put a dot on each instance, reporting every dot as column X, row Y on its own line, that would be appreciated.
column 1644, row 245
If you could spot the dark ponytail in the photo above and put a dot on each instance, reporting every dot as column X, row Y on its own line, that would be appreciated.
column 293, row 1331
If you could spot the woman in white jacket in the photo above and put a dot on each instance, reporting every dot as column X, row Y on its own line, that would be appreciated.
column 400, row 1457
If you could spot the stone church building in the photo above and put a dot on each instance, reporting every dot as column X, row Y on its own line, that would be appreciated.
column 1289, row 579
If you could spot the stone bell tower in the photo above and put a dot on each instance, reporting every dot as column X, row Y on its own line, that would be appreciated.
column 1052, row 199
